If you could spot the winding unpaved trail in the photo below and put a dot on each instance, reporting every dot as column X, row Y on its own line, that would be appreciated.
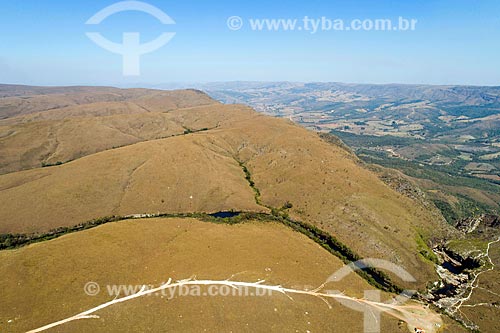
column 473, row 285
column 415, row 315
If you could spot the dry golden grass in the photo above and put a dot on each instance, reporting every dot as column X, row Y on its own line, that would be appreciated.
column 329, row 189
column 199, row 172
column 169, row 175
column 44, row 282
column 53, row 99
column 34, row 143
column 158, row 169
column 61, row 134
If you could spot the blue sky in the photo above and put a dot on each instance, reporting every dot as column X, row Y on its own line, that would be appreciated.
column 455, row 42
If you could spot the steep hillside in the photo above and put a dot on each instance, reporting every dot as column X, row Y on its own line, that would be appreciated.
column 41, row 130
column 37, row 143
column 446, row 137
column 174, row 157
column 241, row 161
column 44, row 283
column 330, row 189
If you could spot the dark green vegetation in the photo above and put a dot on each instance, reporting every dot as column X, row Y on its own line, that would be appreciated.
column 248, row 178
column 12, row 241
column 45, row 165
column 327, row 241
column 425, row 251
column 446, row 137
column 286, row 176
column 331, row 244
column 446, row 179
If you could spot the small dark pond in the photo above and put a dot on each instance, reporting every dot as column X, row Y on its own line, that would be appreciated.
column 225, row 214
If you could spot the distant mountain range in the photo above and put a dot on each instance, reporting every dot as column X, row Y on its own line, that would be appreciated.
column 251, row 92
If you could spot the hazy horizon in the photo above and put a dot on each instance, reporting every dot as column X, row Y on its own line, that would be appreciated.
column 452, row 43
column 194, row 85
